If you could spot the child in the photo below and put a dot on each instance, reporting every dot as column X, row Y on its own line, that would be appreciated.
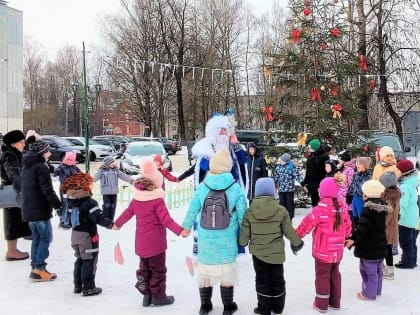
column 152, row 216
column 409, row 215
column 65, row 170
column 330, row 224
column 108, row 173
column 370, row 240
column 38, row 201
column 263, row 227
column 285, row 176
column 164, row 171
column 355, row 195
column 346, row 167
column 330, row 168
column 386, row 162
column 392, row 196
column 85, row 215
column 218, row 247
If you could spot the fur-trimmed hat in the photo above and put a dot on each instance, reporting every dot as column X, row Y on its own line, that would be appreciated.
column 388, row 179
column 384, row 151
column 39, row 147
column 13, row 137
column 69, row 158
column 373, row 188
column 149, row 170
column 221, row 162
column 328, row 188
column 345, row 156
column 365, row 161
column 406, row 167
column 265, row 187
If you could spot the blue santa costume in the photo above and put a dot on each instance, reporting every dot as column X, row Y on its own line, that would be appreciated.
column 205, row 148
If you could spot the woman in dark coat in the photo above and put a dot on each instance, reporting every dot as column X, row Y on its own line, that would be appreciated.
column 10, row 164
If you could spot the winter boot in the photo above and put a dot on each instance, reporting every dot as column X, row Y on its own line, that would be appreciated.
column 205, row 297
column 165, row 300
column 389, row 272
column 39, row 275
column 91, row 292
column 147, row 299
column 227, row 298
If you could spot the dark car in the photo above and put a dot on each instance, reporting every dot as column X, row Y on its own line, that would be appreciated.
column 171, row 146
column 59, row 147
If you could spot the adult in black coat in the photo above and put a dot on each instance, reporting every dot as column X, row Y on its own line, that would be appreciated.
column 10, row 167
column 257, row 168
column 315, row 169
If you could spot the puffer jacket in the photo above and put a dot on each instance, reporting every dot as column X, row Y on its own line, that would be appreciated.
column 152, row 219
column 348, row 172
column 109, row 179
column 217, row 247
column 409, row 211
column 263, row 227
column 327, row 244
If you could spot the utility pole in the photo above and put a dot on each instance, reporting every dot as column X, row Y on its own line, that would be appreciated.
column 85, row 112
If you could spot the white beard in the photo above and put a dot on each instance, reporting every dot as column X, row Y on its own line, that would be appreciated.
column 221, row 142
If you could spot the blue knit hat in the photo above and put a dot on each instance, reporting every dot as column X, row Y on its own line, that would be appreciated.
column 265, row 187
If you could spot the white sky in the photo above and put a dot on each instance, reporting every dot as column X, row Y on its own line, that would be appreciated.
column 54, row 23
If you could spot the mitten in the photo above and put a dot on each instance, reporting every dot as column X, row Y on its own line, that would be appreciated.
column 295, row 249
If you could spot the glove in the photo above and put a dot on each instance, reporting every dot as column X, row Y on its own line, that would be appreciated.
column 349, row 199
column 295, row 249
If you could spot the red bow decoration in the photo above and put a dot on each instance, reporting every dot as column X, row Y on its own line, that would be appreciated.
column 363, row 63
column 334, row 90
column 268, row 113
column 336, row 110
column 315, row 95
column 335, row 32
column 372, row 84
column 296, row 34
column 306, row 11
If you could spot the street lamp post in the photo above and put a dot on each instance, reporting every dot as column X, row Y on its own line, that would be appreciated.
column 74, row 90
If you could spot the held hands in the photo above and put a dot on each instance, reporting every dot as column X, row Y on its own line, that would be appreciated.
column 185, row 233
column 295, row 249
column 349, row 243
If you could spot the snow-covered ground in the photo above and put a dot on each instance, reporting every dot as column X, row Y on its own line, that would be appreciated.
column 19, row 295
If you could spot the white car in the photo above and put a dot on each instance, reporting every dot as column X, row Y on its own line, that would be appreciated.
column 96, row 150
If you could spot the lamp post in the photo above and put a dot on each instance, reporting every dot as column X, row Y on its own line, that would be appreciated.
column 74, row 90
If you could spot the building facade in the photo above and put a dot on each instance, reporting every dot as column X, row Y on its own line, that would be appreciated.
column 11, row 68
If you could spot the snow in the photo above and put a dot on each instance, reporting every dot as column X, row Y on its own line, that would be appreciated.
column 22, row 296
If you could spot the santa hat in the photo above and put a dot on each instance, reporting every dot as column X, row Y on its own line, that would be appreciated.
column 150, row 171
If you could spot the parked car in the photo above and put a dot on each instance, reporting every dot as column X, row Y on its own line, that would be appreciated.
column 118, row 142
column 136, row 150
column 96, row 150
column 382, row 138
column 171, row 146
column 59, row 147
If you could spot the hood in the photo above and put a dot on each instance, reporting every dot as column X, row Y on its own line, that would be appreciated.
column 264, row 207
column 147, row 195
column 77, row 197
column 378, row 205
column 31, row 158
column 219, row 181
column 411, row 180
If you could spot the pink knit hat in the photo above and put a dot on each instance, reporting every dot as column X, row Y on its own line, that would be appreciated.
column 328, row 188
column 149, row 170
column 69, row 158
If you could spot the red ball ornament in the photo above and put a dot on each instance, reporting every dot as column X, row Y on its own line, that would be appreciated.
column 372, row 84
column 324, row 46
column 335, row 32
column 306, row 11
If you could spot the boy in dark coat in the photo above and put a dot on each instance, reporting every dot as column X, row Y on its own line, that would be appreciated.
column 38, row 201
column 257, row 168
column 370, row 240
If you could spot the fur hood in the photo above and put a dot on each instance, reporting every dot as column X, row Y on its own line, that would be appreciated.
column 147, row 195
column 78, row 194
column 378, row 207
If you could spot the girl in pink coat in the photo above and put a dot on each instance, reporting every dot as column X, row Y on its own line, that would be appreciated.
column 148, row 205
column 331, row 225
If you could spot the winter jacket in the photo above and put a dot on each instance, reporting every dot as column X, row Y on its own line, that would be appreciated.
column 409, row 211
column 379, row 169
column 257, row 168
column 109, row 179
column 217, row 246
column 369, row 235
column 285, row 177
column 64, row 171
column 11, row 165
column 327, row 244
column 391, row 220
column 359, row 179
column 152, row 220
column 315, row 169
column 263, row 227
column 348, row 172
column 90, row 214
column 38, row 195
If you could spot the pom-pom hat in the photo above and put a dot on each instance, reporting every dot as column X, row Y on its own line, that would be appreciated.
column 221, row 162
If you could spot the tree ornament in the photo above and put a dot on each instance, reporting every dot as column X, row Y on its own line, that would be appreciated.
column 267, row 72
column 365, row 148
column 372, row 84
column 324, row 46
column 334, row 90
column 335, row 32
column 315, row 95
column 306, row 11
column 301, row 138
column 322, row 88
column 363, row 63
column 296, row 34
column 336, row 110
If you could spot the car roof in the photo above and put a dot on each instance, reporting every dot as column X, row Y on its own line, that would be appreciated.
column 143, row 143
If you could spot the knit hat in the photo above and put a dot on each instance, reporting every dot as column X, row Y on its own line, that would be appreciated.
column 365, row 161
column 39, row 147
column 328, row 188
column 108, row 160
column 373, row 188
column 345, row 156
column 384, row 151
column 406, row 167
column 388, row 179
column 13, row 137
column 314, row 144
column 265, row 187
column 158, row 158
column 221, row 162
column 150, row 171
column 69, row 158
column 285, row 157
column 78, row 181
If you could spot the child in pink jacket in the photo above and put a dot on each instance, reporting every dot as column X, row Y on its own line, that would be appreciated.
column 148, row 205
column 331, row 225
